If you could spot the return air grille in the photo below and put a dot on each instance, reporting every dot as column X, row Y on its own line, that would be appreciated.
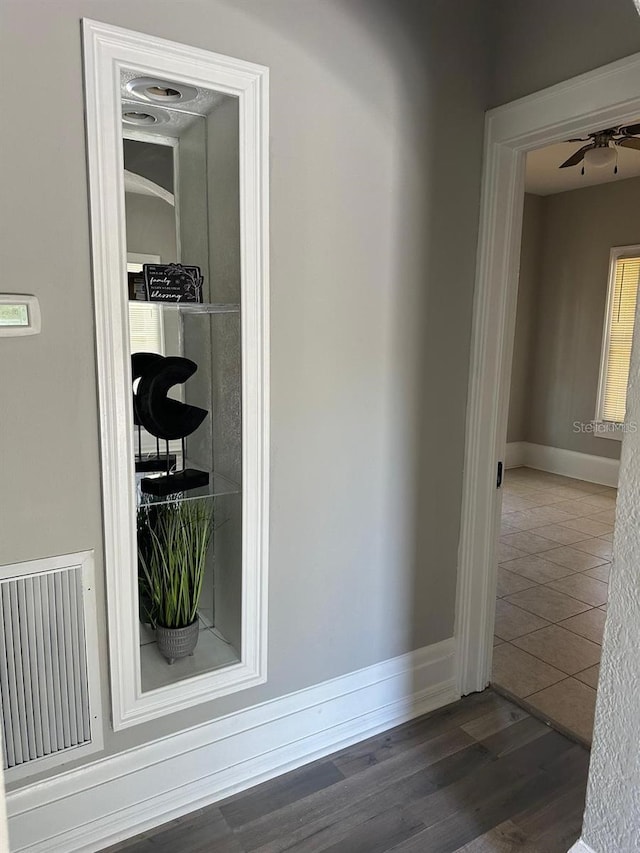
column 44, row 685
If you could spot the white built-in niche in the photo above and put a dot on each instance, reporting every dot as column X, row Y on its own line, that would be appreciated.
column 178, row 161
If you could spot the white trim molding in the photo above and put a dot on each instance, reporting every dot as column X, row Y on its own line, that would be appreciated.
column 92, row 807
column 581, row 847
column 606, row 97
column 569, row 463
column 108, row 50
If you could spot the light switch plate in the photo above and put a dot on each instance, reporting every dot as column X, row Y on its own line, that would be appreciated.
column 19, row 314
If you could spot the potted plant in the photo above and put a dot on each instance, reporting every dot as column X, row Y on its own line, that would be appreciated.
column 173, row 539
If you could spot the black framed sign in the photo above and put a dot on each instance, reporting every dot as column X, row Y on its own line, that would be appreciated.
column 172, row 283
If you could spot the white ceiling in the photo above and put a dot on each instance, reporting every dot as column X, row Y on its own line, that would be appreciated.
column 543, row 177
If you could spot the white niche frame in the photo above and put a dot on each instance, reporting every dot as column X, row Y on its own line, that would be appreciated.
column 108, row 49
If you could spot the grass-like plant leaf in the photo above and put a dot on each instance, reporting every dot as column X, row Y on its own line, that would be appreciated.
column 173, row 539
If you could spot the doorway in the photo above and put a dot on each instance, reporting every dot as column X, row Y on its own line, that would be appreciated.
column 577, row 295
column 607, row 97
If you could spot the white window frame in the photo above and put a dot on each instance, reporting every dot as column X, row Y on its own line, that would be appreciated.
column 108, row 50
column 603, row 428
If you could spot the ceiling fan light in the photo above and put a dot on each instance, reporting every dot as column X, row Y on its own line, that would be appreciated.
column 600, row 157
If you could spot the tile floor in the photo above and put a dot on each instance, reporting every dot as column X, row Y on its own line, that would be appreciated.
column 554, row 558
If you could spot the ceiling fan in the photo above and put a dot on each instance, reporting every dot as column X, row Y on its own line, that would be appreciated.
column 601, row 147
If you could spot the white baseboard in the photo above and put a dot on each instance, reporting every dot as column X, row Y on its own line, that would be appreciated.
column 569, row 463
column 515, row 454
column 581, row 847
column 87, row 809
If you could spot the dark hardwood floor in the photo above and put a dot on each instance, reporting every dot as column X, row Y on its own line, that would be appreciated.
column 480, row 776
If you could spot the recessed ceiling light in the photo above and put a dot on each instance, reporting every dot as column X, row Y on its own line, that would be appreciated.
column 141, row 115
column 134, row 117
column 160, row 91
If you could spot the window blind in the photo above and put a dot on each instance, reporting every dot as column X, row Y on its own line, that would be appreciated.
column 622, row 311
column 145, row 327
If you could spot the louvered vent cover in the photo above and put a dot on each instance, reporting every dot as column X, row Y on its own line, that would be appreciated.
column 44, row 685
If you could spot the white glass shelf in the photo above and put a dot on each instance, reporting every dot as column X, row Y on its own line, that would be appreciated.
column 217, row 487
column 193, row 307
column 207, row 308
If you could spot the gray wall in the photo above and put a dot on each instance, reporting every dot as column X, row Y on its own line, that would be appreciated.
column 367, row 418
column 537, row 43
column 151, row 227
column 555, row 380
column 524, row 341
column 152, row 161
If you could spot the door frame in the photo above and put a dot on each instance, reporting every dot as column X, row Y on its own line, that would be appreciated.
column 606, row 97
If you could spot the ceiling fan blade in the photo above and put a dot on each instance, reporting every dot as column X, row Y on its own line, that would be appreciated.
column 631, row 129
column 576, row 157
column 629, row 142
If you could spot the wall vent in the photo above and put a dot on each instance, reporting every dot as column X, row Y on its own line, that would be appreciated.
column 49, row 678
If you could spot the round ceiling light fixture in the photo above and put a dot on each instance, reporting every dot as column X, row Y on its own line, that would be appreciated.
column 136, row 117
column 160, row 91
column 139, row 116
column 600, row 156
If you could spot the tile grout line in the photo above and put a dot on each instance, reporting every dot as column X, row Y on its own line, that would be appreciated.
column 544, row 490
column 566, row 675
column 577, row 600
column 571, row 574
column 553, row 665
column 559, row 622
